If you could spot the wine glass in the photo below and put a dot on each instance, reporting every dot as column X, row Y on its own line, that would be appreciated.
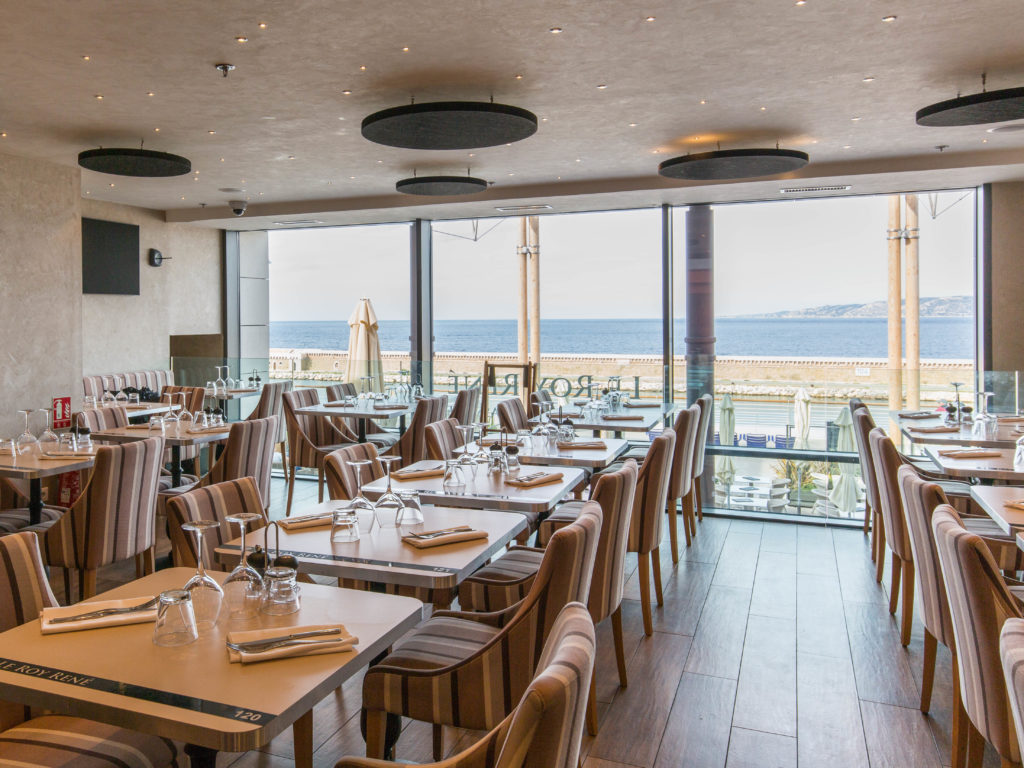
column 107, row 399
column 121, row 398
column 482, row 455
column 229, row 383
column 388, row 505
column 218, row 385
column 360, row 503
column 26, row 440
column 48, row 435
column 207, row 594
column 243, row 588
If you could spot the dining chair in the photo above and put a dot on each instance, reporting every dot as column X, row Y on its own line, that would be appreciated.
column 341, row 478
column 862, row 426
column 512, row 415
column 310, row 439
column 546, row 727
column 467, row 406
column 248, row 452
column 412, row 446
column 49, row 740
column 681, row 484
column 442, row 438
column 645, row 521
column 1011, row 651
column 190, row 399
column 980, row 604
column 706, row 404
column 347, row 425
column 467, row 669
column 539, row 398
column 271, row 403
column 114, row 517
column 14, row 512
column 218, row 501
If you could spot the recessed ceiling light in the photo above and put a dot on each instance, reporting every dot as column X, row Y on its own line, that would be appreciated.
column 855, row 119
column 763, row 108
column 655, row 151
column 346, row 92
column 99, row 96
column 111, row 183
column 601, row 87
column 241, row 39
column 222, row 159
column 847, row 146
column 362, row 68
column 268, row 117
column 291, row 157
column 472, row 154
column 801, row 2
column 510, row 173
column 555, row 30
column 632, row 125
column 519, row 77
column 263, row 25
column 578, row 160
column 889, row 19
column 351, row 177
column 157, row 130
column 211, row 132
column 380, row 161
column 150, row 93
column 195, row 178
column 3, row 135
column 703, row 101
column 85, row 58
column 649, row 18
column 405, row 49
column 983, row 141
column 182, row 197
column 869, row 79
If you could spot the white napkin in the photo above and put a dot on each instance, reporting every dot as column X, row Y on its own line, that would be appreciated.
column 581, row 444
column 449, row 538
column 138, row 617
column 66, row 456
column 320, row 519
column 969, row 453
column 325, row 644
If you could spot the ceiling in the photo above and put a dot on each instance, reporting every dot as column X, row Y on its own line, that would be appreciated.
column 282, row 128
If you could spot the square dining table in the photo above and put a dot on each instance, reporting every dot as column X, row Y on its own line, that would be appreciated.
column 487, row 490
column 991, row 434
column 999, row 467
column 33, row 467
column 381, row 557
column 361, row 412
column 174, row 437
column 536, row 451
column 994, row 498
column 624, row 419
column 191, row 693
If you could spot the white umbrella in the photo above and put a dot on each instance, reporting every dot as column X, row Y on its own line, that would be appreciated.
column 725, row 470
column 364, row 349
column 844, row 493
column 802, row 417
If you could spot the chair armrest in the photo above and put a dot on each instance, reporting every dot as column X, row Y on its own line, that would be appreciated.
column 492, row 619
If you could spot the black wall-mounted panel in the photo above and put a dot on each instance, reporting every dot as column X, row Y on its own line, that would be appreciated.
column 110, row 257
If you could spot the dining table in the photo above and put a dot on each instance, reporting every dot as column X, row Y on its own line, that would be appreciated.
column 639, row 417
column 34, row 466
column 996, row 500
column 983, row 434
column 998, row 466
column 175, row 437
column 597, row 453
column 380, row 555
column 362, row 411
column 192, row 693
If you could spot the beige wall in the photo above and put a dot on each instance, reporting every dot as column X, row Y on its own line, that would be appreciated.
column 40, row 286
column 128, row 333
column 1008, row 276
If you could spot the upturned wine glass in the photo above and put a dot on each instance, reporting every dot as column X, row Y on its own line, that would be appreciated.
column 48, row 435
column 482, row 455
column 207, row 595
column 26, row 440
column 360, row 503
column 388, row 505
column 243, row 588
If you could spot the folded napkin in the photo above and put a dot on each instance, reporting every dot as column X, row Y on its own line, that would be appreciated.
column 387, row 407
column 1015, row 504
column 969, row 453
column 337, row 404
column 621, row 417
column 582, row 444
column 918, row 414
column 465, row 534
column 416, row 474
column 554, row 477
column 565, row 415
column 319, row 520
column 934, row 430
column 65, row 456
column 117, row 620
column 643, row 405
column 314, row 646
column 137, row 426
column 204, row 430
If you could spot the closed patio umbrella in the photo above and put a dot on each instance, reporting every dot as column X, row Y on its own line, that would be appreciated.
column 844, row 493
column 725, row 470
column 802, row 418
column 364, row 349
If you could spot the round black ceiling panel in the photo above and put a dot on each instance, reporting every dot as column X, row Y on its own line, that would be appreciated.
column 134, row 162
column 449, row 125
column 726, row 164
column 441, row 186
column 975, row 109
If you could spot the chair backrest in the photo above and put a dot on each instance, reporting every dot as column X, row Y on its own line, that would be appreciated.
column 536, row 399
column 887, row 463
column 686, row 426
column 651, row 494
column 512, row 415
column 443, row 437
column 755, row 440
column 341, row 478
column 214, row 502
column 341, row 390
column 97, row 419
column 190, row 398
column 614, row 491
column 114, row 518
column 862, row 426
column 24, row 588
column 412, row 446
column 271, row 402
column 980, row 604
column 855, row 403
column 305, row 432
column 706, row 405
column 920, row 500
column 467, row 404
column 154, row 380
column 1011, row 649
column 249, row 453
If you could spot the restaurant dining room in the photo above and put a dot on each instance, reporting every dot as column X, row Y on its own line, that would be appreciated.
column 547, row 385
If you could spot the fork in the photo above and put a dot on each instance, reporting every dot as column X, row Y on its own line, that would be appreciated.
column 103, row 612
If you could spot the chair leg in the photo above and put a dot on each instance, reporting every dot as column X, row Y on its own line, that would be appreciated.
column 687, row 503
column 656, row 567
column 320, row 483
column 68, row 599
column 87, row 583
column 958, row 758
column 138, row 566
column 149, row 560
column 867, row 518
column 438, row 743
column 699, row 496
column 894, row 587
column 975, row 745
column 291, row 491
column 644, row 572
column 592, row 708
column 673, row 534
column 931, row 645
column 376, row 729
column 880, row 552
column 620, row 646
column 907, row 567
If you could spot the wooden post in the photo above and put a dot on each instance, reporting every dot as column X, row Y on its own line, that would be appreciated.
column 534, row 241
column 913, row 307
column 894, row 237
column 523, row 252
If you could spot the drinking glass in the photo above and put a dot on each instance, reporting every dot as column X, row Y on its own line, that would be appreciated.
column 210, row 387
column 26, row 440
column 133, row 398
column 412, row 508
column 454, row 482
column 344, row 525
column 243, row 588
column 48, row 436
column 983, row 400
column 83, row 434
column 207, row 594
column 121, row 398
column 388, row 505
column 282, row 595
column 175, row 619
column 156, row 423
column 185, row 422
column 66, row 443
column 8, row 447
column 511, row 458
column 1018, row 455
column 88, row 402
column 107, row 399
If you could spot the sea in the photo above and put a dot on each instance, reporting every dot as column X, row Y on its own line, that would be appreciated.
column 941, row 337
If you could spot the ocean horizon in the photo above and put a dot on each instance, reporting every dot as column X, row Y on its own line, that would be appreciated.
column 941, row 337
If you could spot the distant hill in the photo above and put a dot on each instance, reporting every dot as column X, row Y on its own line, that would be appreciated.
column 945, row 306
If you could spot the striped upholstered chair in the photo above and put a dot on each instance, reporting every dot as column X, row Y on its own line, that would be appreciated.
column 1011, row 649
column 190, row 399
column 466, row 408
column 412, row 446
column 14, row 514
column 113, row 519
column 442, row 438
column 546, row 727
column 862, row 426
column 979, row 603
column 538, row 399
column 645, row 524
column 50, row 740
column 213, row 502
column 468, row 669
column 341, row 478
column 271, row 403
column 310, row 439
column 347, row 426
column 706, row 405
column 512, row 415
column 681, row 485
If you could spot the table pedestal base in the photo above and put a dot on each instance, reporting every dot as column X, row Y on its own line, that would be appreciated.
column 201, row 757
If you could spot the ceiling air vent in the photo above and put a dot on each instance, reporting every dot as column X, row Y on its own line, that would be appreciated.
column 299, row 223
column 522, row 208
column 804, row 190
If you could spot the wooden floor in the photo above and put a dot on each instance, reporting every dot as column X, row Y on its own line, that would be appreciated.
column 774, row 648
